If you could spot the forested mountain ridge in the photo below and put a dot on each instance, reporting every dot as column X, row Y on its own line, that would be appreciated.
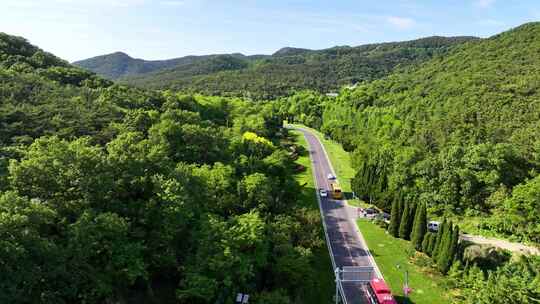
column 18, row 56
column 207, row 66
column 290, row 69
column 119, row 64
column 111, row 194
column 460, row 132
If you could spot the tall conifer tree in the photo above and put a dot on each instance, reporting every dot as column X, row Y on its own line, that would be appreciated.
column 444, row 260
column 425, row 242
column 404, row 230
column 395, row 216
column 438, row 240
column 419, row 227
column 454, row 246
column 431, row 244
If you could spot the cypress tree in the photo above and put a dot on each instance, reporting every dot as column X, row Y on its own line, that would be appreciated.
column 401, row 206
column 362, row 179
column 381, row 187
column 395, row 216
column 373, row 181
column 444, row 258
column 438, row 239
column 412, row 213
column 367, row 182
column 454, row 245
column 425, row 242
column 419, row 227
column 431, row 243
column 404, row 230
column 355, row 183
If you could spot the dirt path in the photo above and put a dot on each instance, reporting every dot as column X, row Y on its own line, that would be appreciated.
column 514, row 247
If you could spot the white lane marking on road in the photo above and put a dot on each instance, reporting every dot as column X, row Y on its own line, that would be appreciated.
column 327, row 238
column 322, row 174
column 329, row 245
column 353, row 262
column 359, row 235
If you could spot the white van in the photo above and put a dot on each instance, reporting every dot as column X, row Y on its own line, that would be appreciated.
column 433, row 226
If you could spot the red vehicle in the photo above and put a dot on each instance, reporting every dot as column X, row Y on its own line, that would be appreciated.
column 380, row 292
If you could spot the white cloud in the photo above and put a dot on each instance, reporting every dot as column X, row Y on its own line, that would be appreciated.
column 401, row 23
column 484, row 3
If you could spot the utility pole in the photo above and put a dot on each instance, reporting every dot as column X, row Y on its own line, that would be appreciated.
column 406, row 289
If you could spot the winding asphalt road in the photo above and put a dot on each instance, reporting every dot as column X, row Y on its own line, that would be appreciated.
column 346, row 243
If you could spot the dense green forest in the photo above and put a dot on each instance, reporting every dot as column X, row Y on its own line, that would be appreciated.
column 123, row 194
column 110, row 194
column 267, row 77
column 460, row 134
column 117, row 65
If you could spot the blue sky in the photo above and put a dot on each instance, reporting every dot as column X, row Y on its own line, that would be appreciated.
column 160, row 29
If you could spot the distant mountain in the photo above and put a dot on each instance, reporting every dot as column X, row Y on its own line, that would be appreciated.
column 201, row 66
column 119, row 64
column 290, row 51
column 269, row 76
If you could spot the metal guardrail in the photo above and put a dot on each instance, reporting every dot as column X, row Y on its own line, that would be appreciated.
column 357, row 274
column 348, row 274
column 333, row 171
column 339, row 286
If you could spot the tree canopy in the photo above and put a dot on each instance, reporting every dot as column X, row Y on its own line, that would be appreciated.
column 116, row 194
column 458, row 133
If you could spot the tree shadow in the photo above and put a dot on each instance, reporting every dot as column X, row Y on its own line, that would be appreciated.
column 403, row 300
column 308, row 198
column 348, row 195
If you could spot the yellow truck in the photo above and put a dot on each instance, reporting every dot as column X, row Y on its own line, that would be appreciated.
column 335, row 189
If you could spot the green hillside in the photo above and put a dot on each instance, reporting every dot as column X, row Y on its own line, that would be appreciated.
column 266, row 77
column 118, row 65
column 186, row 70
column 111, row 194
column 460, row 133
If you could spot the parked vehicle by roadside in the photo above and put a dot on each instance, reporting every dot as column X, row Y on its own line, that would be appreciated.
column 383, row 216
column 371, row 212
column 433, row 226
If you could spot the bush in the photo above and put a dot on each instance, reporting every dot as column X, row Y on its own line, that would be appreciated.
column 381, row 223
column 485, row 256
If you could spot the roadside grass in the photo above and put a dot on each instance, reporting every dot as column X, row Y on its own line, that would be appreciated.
column 305, row 177
column 387, row 250
column 427, row 284
column 340, row 159
column 473, row 225
column 323, row 274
